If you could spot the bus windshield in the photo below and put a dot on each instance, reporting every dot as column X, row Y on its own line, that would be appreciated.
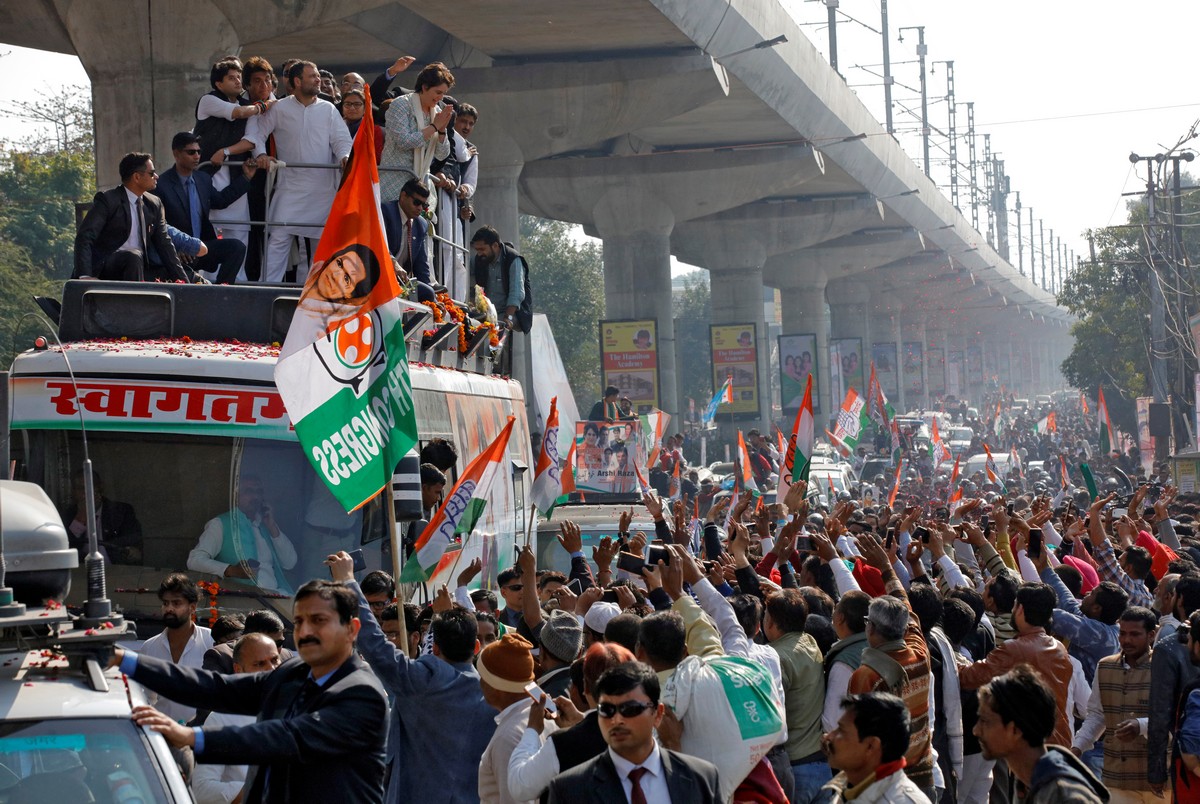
column 249, row 513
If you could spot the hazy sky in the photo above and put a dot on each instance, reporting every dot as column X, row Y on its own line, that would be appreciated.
column 1065, row 89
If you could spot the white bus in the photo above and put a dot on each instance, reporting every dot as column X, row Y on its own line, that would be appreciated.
column 174, row 387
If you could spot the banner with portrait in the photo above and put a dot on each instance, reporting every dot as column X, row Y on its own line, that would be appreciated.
column 629, row 360
column 605, row 453
column 886, row 369
column 797, row 360
column 935, row 371
column 735, row 354
column 846, row 367
column 914, row 383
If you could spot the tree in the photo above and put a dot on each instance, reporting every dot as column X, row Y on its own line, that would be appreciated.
column 1111, row 297
column 692, row 309
column 567, row 281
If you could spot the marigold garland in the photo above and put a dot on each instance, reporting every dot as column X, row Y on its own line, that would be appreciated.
column 213, row 589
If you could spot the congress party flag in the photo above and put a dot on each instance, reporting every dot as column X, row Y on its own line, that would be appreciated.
column 568, row 477
column 851, row 419
column 941, row 452
column 1108, row 436
column 463, row 508
column 797, row 458
column 343, row 368
column 547, row 488
column 1048, row 424
column 878, row 408
column 1083, row 403
column 896, row 484
column 989, row 466
column 1063, row 472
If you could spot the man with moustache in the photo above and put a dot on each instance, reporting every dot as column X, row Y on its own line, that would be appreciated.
column 322, row 717
column 181, row 642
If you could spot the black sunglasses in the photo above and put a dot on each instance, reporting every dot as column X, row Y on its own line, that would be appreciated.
column 626, row 708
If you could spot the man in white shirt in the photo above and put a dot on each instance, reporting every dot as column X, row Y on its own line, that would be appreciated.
column 245, row 543
column 505, row 667
column 307, row 130
column 635, row 769
column 221, row 784
column 182, row 642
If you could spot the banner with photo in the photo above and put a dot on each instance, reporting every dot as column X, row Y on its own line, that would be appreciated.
column 886, row 369
column 846, row 366
column 797, row 360
column 735, row 354
column 1145, row 441
column 935, row 371
column 629, row 360
column 605, row 453
column 914, row 383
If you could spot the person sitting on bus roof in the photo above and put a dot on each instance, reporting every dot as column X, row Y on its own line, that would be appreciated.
column 120, row 532
column 245, row 543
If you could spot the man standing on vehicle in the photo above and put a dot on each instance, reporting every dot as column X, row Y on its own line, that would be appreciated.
column 245, row 543
column 181, row 642
column 322, row 718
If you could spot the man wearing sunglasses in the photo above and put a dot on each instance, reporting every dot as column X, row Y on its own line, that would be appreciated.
column 188, row 195
column 412, row 252
column 635, row 769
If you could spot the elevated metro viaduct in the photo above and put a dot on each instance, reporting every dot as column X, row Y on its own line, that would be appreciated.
column 658, row 126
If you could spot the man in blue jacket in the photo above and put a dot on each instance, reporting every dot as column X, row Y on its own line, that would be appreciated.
column 440, row 723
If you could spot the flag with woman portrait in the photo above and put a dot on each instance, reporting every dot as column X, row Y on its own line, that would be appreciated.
column 343, row 368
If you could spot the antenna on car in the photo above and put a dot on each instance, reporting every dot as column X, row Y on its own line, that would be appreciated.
column 97, row 608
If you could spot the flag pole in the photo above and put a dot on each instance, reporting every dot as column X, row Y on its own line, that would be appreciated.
column 389, row 507
column 529, row 527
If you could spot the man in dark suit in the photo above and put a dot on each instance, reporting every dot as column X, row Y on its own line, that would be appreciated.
column 263, row 621
column 322, row 717
column 187, row 195
column 634, row 769
column 413, row 249
column 110, row 243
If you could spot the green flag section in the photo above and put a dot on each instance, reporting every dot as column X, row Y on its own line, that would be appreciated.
column 462, row 510
column 343, row 369
column 1089, row 480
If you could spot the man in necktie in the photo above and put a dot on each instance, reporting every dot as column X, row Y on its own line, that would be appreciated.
column 125, row 228
column 321, row 717
column 413, row 254
column 635, row 769
column 187, row 194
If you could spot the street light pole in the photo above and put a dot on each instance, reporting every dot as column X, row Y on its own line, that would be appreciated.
column 887, row 67
column 922, row 51
column 832, row 6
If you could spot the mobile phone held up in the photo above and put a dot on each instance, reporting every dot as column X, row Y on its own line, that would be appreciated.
column 1034, row 550
column 535, row 692
column 360, row 563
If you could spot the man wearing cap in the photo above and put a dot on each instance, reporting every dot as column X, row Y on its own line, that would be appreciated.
column 505, row 667
column 597, row 619
column 561, row 637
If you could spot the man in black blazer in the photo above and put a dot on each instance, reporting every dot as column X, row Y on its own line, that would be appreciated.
column 635, row 769
column 322, row 717
column 183, row 187
column 111, row 245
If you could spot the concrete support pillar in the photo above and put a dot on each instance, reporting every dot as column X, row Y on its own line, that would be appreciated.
column 737, row 298
column 804, row 311
column 935, row 373
column 912, row 330
column 147, row 71
column 637, row 276
column 896, row 332
column 495, row 200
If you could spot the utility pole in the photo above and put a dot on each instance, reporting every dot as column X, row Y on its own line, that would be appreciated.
column 887, row 66
column 832, row 6
column 1000, row 207
column 1032, row 264
column 1050, row 285
column 1020, row 245
column 922, row 52
column 1158, row 312
column 1042, row 248
column 952, row 132
column 989, row 187
column 973, row 167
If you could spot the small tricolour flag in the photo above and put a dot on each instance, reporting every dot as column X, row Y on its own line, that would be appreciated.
column 1108, row 436
column 745, row 470
column 896, row 484
column 851, row 419
column 343, row 369
column 941, row 452
column 463, row 508
column 990, row 468
column 547, row 490
column 1064, row 473
column 1048, row 424
column 797, row 458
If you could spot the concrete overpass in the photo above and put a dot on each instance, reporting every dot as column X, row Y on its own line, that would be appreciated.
column 658, row 126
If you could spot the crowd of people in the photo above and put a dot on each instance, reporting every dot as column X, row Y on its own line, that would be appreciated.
column 1015, row 644
column 253, row 182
